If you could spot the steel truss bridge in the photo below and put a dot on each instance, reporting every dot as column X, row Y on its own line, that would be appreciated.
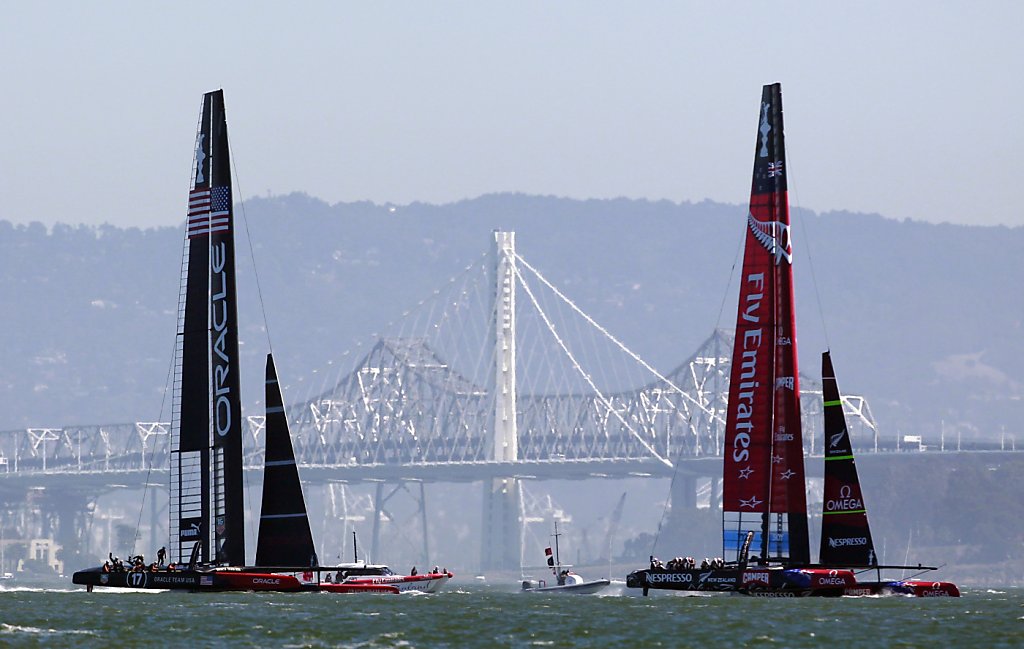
column 398, row 417
column 413, row 409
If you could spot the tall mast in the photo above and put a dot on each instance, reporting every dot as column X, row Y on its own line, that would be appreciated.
column 558, row 559
column 228, row 505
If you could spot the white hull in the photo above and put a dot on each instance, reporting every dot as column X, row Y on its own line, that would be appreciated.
column 429, row 583
column 583, row 588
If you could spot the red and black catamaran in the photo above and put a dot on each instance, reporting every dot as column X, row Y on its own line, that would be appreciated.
column 207, row 542
column 765, row 540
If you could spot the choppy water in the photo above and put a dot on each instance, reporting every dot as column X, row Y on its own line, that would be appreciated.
column 474, row 615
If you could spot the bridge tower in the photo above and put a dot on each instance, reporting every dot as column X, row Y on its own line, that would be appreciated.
column 501, row 529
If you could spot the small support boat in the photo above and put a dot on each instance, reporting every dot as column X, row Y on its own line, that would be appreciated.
column 566, row 581
column 362, row 574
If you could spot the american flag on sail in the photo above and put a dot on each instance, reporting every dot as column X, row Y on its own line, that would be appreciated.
column 209, row 210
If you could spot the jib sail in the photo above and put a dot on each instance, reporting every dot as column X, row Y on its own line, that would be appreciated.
column 845, row 535
column 284, row 537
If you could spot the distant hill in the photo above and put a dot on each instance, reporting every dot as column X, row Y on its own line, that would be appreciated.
column 925, row 320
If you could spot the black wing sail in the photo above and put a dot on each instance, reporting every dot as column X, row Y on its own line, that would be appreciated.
column 284, row 538
column 229, row 505
column 845, row 534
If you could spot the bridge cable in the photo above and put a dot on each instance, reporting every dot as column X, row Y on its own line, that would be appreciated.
column 325, row 394
column 611, row 337
column 586, row 377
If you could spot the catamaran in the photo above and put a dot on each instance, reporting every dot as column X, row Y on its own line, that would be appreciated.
column 207, row 544
column 765, row 540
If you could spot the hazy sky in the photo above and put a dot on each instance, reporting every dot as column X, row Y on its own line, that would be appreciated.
column 909, row 109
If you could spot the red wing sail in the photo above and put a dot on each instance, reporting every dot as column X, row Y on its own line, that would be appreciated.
column 845, row 535
column 763, row 475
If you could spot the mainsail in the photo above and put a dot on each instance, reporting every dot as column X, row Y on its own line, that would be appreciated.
column 763, row 474
column 845, row 535
column 284, row 537
column 206, row 475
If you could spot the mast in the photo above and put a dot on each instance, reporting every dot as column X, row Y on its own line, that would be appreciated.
column 845, row 534
column 228, row 506
column 558, row 559
column 763, row 472
column 555, row 562
column 207, row 475
column 284, row 537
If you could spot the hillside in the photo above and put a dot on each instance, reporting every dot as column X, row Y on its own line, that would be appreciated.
column 924, row 320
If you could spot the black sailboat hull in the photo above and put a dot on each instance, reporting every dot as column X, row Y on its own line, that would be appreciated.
column 772, row 581
column 192, row 580
column 778, row 581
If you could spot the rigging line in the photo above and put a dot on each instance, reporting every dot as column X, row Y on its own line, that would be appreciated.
column 252, row 250
column 259, row 293
column 664, row 510
column 732, row 273
column 607, row 404
column 807, row 247
column 174, row 348
column 152, row 454
column 168, row 382
column 615, row 340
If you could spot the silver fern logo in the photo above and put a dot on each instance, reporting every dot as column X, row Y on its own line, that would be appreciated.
column 774, row 236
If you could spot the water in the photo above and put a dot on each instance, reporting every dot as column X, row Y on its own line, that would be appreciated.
column 474, row 615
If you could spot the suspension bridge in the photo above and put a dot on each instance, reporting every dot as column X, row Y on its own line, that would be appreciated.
column 498, row 378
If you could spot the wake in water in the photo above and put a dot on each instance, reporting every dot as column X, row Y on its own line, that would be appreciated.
column 38, row 589
column 37, row 632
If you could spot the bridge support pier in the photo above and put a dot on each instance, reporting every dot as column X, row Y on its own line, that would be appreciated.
column 57, row 514
column 684, row 493
column 501, row 529
column 379, row 512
